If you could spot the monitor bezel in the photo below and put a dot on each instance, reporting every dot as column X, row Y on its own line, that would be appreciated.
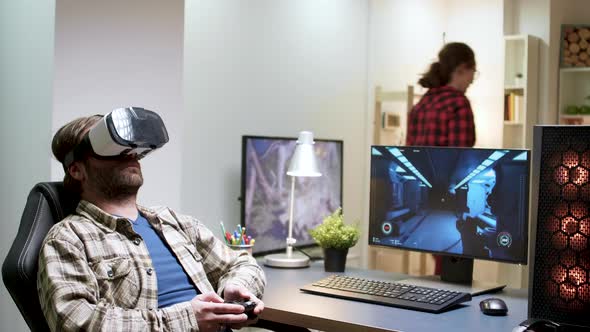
column 527, row 214
column 245, row 138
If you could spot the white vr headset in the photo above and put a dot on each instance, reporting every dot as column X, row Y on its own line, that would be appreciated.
column 122, row 132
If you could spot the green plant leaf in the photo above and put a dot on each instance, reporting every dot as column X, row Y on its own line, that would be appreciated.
column 333, row 233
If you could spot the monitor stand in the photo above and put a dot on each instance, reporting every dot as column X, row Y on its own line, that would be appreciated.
column 456, row 275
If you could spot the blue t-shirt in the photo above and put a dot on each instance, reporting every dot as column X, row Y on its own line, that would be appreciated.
column 174, row 285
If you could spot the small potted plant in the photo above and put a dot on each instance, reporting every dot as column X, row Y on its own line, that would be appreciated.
column 335, row 238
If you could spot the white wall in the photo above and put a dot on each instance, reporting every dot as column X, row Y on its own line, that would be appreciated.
column 270, row 67
column 26, row 67
column 487, row 92
column 111, row 54
column 404, row 37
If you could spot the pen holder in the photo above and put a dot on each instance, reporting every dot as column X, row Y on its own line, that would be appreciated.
column 247, row 247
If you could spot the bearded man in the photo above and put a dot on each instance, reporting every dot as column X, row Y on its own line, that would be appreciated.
column 115, row 265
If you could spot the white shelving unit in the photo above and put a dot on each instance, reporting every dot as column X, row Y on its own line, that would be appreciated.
column 521, row 60
column 389, row 127
column 574, row 89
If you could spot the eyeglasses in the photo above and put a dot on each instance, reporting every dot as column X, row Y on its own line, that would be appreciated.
column 476, row 74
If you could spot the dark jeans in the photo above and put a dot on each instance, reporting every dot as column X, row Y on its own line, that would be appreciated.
column 279, row 327
column 273, row 326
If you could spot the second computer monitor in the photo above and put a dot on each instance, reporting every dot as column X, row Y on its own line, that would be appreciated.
column 266, row 189
column 464, row 202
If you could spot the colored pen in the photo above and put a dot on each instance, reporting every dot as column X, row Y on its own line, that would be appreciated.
column 223, row 230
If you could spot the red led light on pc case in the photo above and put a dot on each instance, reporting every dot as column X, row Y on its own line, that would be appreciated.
column 578, row 242
column 568, row 228
column 570, row 159
column 578, row 209
column 559, row 274
column 584, row 293
column 559, row 241
column 586, row 159
column 564, row 225
column 552, row 224
column 554, row 160
column 570, row 192
column 567, row 291
column 577, row 276
column 584, row 226
column 584, row 260
column 561, row 175
column 561, row 209
column 569, row 225
column 579, row 176
column 552, row 288
column 554, row 190
column 585, row 192
column 568, row 258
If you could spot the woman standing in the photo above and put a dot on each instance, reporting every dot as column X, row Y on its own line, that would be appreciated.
column 443, row 116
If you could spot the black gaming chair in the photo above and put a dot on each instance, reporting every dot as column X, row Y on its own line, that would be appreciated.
column 47, row 204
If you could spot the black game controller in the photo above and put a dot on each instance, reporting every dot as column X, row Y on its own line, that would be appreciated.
column 248, row 307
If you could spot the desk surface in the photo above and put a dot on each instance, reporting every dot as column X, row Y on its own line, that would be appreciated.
column 285, row 303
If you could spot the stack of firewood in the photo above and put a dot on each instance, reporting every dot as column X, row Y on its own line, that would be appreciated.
column 576, row 47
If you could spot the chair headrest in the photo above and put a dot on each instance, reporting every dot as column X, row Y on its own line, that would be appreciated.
column 47, row 204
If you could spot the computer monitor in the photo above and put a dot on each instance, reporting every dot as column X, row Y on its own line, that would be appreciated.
column 266, row 189
column 462, row 203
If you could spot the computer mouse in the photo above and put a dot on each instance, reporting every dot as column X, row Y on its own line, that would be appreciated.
column 493, row 306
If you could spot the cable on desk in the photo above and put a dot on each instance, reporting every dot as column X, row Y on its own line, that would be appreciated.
column 309, row 256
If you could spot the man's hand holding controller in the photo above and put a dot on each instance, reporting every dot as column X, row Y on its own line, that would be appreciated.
column 249, row 307
column 252, row 305
column 239, row 309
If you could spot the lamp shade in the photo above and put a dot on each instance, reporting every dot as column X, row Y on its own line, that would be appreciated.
column 303, row 162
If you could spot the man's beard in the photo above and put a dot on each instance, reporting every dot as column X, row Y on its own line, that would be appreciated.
column 115, row 184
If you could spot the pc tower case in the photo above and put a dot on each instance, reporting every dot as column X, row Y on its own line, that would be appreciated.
column 560, row 216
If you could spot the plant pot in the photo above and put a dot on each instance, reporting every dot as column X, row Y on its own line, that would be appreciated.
column 335, row 259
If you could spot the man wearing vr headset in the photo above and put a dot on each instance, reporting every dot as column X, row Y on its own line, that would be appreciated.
column 115, row 265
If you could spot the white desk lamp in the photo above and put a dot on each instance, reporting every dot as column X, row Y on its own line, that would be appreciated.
column 303, row 163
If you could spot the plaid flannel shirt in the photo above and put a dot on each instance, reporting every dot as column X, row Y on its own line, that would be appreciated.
column 443, row 117
column 95, row 272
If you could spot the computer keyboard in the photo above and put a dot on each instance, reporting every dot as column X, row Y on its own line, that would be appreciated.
column 393, row 294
